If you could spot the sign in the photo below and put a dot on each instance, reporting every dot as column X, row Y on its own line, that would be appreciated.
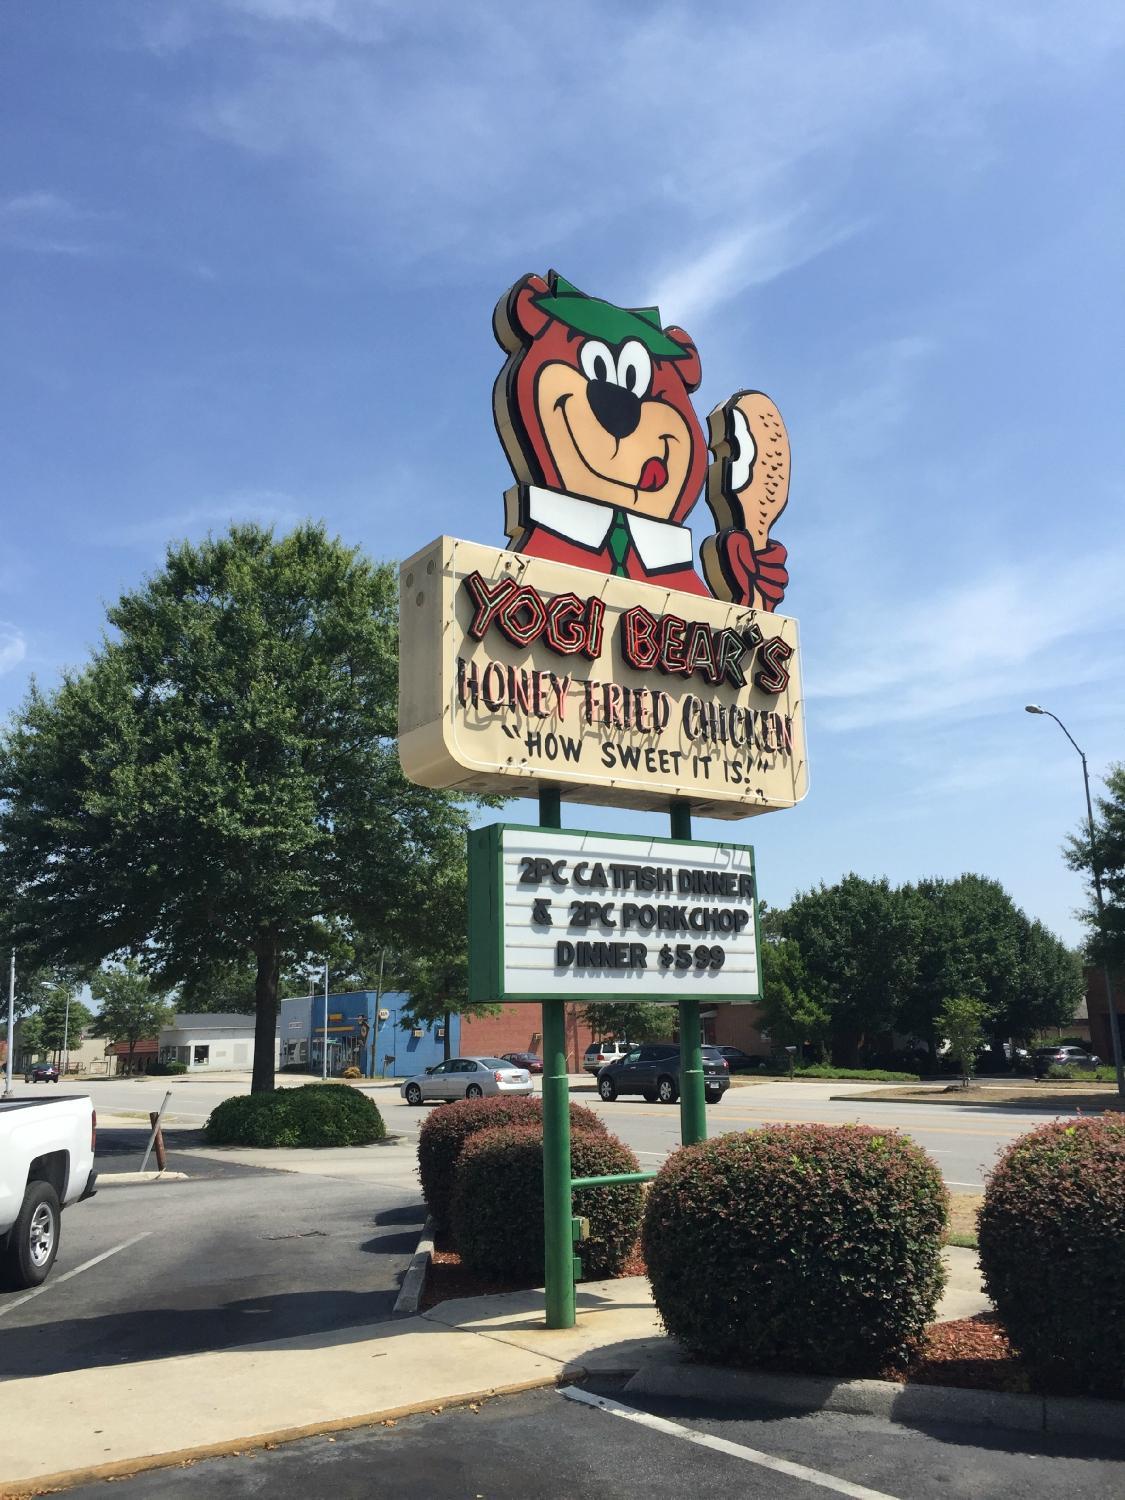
column 593, row 654
column 602, row 916
column 593, row 407
column 515, row 670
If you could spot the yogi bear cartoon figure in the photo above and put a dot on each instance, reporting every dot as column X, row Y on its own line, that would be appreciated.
column 594, row 409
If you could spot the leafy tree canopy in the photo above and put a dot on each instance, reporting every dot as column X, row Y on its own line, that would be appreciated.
column 220, row 785
column 1108, row 945
column 129, row 1007
column 631, row 1022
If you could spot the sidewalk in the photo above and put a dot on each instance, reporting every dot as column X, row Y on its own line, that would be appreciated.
column 84, row 1424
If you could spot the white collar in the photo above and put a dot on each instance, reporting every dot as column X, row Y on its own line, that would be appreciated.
column 659, row 544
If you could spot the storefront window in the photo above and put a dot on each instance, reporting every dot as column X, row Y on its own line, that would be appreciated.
column 202, row 1055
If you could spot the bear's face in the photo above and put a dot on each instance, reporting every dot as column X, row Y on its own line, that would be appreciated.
column 595, row 400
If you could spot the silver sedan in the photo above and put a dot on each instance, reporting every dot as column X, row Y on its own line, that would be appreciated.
column 467, row 1078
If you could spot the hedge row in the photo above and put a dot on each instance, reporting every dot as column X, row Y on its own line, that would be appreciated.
column 798, row 1247
column 319, row 1114
column 1052, row 1249
column 445, row 1131
column 497, row 1207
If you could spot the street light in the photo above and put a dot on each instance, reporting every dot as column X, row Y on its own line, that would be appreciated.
column 1111, row 1008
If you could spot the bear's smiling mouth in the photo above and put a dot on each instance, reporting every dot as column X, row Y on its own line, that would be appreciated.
column 654, row 471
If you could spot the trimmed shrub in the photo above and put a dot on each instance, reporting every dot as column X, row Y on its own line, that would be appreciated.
column 497, row 1208
column 1052, row 1249
column 315, row 1115
column 446, row 1130
column 166, row 1070
column 799, row 1247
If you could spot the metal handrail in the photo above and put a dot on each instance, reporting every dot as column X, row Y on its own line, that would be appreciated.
column 611, row 1180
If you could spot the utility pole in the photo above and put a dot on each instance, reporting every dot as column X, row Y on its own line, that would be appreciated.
column 1096, row 871
column 66, row 1034
column 324, row 1049
column 11, row 1027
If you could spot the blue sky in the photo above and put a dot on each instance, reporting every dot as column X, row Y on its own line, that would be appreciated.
column 250, row 252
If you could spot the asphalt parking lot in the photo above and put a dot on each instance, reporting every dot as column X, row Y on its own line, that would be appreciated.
column 235, row 1255
column 544, row 1446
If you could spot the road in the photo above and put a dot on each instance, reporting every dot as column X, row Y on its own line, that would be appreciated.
column 544, row 1446
column 964, row 1142
column 234, row 1255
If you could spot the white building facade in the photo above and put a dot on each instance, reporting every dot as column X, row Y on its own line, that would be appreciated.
column 210, row 1042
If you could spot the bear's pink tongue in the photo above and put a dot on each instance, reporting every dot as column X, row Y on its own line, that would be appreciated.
column 654, row 475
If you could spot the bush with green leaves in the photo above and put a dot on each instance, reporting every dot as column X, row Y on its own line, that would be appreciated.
column 317, row 1114
column 826, row 1070
column 1052, row 1249
column 1069, row 1073
column 445, row 1132
column 497, row 1208
column 814, row 1248
column 166, row 1069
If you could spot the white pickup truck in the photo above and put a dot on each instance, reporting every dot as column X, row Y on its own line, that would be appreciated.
column 46, row 1163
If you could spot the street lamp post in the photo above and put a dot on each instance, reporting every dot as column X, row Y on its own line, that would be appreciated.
column 11, row 1027
column 1111, row 1008
column 324, row 1062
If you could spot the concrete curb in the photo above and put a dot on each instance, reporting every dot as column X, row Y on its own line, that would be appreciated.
column 413, row 1283
column 123, row 1468
column 137, row 1179
column 910, row 1405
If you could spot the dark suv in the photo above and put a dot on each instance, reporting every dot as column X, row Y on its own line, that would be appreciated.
column 652, row 1069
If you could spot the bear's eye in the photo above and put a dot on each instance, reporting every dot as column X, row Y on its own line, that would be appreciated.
column 597, row 362
column 634, row 368
column 743, row 450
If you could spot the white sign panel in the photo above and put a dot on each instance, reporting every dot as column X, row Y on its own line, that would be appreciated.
column 601, row 916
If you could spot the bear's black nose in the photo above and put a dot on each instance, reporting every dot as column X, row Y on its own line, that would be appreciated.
column 617, row 409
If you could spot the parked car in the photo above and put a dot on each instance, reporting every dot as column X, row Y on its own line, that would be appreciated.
column 600, row 1053
column 1045, row 1058
column 652, row 1069
column 528, row 1060
column 742, row 1062
column 467, row 1078
column 46, row 1164
column 41, row 1072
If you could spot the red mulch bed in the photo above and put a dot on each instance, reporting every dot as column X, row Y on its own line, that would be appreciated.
column 969, row 1352
column 973, row 1353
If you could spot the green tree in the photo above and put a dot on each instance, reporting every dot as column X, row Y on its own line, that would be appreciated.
column 791, row 1012
column 30, row 1037
column 967, row 937
column 857, row 943
column 962, row 1022
column 1049, row 984
column 220, row 785
column 1106, row 942
column 62, row 1017
column 631, row 1021
column 129, row 1006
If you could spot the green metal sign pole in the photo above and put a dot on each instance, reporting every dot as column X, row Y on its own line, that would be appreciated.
column 693, row 1105
column 558, row 1250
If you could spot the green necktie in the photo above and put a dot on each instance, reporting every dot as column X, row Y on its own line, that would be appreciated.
column 619, row 543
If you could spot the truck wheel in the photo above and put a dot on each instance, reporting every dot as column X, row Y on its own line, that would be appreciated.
column 34, row 1239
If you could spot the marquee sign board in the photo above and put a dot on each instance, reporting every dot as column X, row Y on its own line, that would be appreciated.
column 602, row 917
column 515, row 671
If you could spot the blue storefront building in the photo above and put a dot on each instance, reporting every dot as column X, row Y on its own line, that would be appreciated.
column 366, row 1031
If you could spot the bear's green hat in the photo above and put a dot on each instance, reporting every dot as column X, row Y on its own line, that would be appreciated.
column 604, row 321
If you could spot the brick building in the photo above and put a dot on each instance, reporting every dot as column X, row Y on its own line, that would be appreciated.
column 518, row 1028
column 1100, row 1037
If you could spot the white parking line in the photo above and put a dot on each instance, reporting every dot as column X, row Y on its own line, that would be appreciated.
column 723, row 1445
column 85, row 1266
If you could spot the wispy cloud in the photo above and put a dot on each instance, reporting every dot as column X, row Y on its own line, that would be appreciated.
column 1004, row 636
column 267, row 507
column 13, row 647
column 47, row 223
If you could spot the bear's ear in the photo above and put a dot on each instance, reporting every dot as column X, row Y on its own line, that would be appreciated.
column 688, row 368
column 518, row 318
